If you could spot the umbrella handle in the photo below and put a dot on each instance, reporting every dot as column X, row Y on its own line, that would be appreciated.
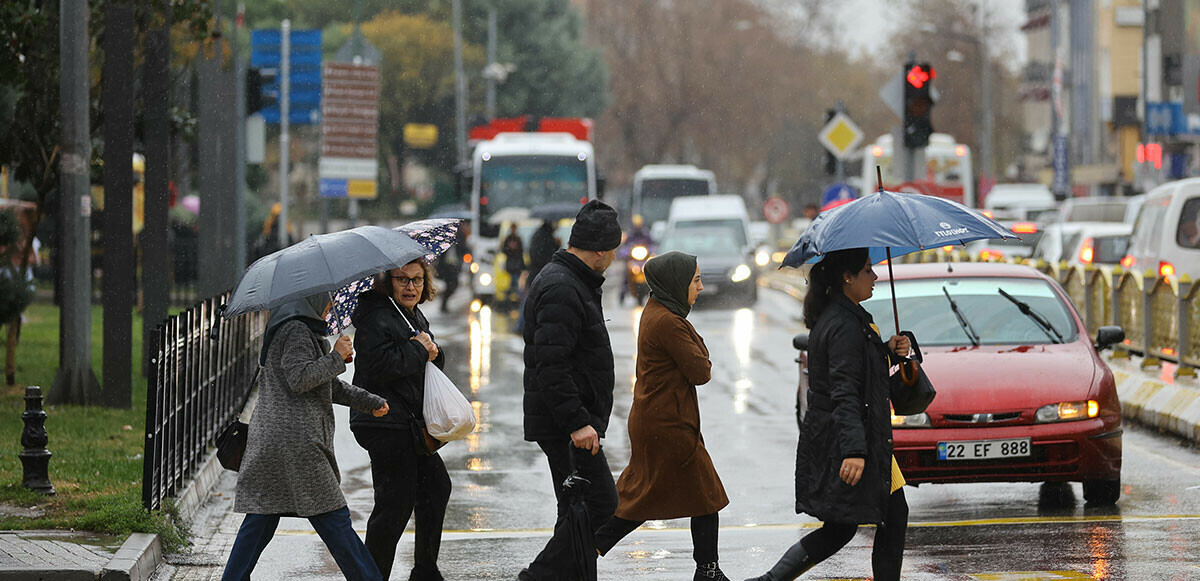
column 907, row 368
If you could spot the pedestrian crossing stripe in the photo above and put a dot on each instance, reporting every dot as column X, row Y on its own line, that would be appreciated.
column 1031, row 576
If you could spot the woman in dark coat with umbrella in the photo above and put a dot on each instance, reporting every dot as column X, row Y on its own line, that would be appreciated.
column 670, row 474
column 394, row 345
column 845, row 472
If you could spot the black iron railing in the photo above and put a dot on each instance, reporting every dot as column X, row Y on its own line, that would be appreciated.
column 196, row 385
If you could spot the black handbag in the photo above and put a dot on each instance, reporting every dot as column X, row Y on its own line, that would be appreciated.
column 911, row 391
column 231, row 444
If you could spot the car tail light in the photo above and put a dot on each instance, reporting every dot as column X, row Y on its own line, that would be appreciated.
column 467, row 258
column 1088, row 251
column 989, row 214
column 990, row 255
column 1128, row 261
column 1024, row 228
column 1166, row 269
column 948, row 248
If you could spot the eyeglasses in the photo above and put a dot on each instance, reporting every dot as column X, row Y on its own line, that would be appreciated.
column 404, row 281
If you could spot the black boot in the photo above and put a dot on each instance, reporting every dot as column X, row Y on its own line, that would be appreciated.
column 709, row 572
column 793, row 564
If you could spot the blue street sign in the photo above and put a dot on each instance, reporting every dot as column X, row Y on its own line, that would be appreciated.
column 304, row 101
column 837, row 193
column 334, row 188
column 1165, row 118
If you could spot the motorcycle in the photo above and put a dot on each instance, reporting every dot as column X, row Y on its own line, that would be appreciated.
column 636, row 254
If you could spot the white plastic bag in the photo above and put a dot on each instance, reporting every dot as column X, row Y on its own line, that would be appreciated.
column 448, row 415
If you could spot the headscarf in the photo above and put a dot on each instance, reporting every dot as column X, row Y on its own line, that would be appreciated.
column 308, row 310
column 669, row 276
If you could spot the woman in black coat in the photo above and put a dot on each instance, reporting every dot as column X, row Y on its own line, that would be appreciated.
column 845, row 473
column 394, row 344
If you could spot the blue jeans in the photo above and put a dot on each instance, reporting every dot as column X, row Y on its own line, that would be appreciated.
column 334, row 528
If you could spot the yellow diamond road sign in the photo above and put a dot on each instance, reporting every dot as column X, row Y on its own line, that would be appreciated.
column 840, row 136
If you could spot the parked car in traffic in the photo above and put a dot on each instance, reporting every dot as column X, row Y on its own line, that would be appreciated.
column 1019, row 201
column 1100, row 209
column 726, row 266
column 1022, row 392
column 1028, row 235
column 1084, row 243
column 1166, row 234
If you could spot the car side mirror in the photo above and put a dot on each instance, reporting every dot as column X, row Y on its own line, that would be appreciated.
column 1108, row 336
column 800, row 341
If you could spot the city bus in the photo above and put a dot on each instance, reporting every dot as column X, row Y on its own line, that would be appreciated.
column 656, row 186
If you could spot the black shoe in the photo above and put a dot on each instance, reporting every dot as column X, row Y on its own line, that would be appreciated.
column 420, row 573
column 793, row 564
column 709, row 572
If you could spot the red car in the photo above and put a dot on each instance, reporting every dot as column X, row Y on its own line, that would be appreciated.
column 1022, row 392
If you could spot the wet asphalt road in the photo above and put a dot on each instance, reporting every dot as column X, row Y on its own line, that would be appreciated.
column 502, row 506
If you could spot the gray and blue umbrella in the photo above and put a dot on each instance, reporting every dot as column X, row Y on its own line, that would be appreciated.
column 321, row 263
column 891, row 224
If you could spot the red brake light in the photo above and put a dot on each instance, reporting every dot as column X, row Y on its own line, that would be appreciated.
column 1024, row 228
column 1088, row 252
column 1128, row 261
column 989, row 255
column 467, row 258
column 583, row 200
column 1166, row 269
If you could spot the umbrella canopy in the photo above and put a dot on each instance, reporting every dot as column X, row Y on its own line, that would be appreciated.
column 890, row 222
column 435, row 234
column 320, row 263
column 556, row 211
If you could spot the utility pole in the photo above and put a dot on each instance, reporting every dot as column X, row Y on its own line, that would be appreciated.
column 491, row 63
column 460, row 84
column 156, row 257
column 75, row 382
column 357, row 50
column 285, row 87
column 118, row 280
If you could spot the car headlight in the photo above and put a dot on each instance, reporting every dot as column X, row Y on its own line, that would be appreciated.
column 914, row 421
column 763, row 258
column 742, row 272
column 639, row 253
column 474, row 268
column 485, row 279
column 1068, row 410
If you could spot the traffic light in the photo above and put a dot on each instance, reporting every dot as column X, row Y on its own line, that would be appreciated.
column 918, row 103
column 260, row 92
column 830, row 162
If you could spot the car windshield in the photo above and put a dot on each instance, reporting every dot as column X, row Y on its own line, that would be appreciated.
column 925, row 310
column 657, row 195
column 529, row 181
column 702, row 241
column 729, row 227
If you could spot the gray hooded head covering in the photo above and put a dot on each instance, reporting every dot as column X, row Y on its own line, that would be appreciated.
column 669, row 276
column 307, row 309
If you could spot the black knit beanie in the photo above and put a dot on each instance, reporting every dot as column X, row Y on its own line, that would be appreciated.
column 596, row 228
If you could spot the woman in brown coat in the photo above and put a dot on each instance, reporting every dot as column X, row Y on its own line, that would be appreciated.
column 670, row 474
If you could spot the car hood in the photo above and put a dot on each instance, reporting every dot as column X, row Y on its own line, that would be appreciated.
column 996, row 378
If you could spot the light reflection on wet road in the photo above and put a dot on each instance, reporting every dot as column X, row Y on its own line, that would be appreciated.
column 502, row 505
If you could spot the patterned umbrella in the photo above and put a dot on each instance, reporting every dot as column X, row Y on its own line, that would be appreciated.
column 436, row 235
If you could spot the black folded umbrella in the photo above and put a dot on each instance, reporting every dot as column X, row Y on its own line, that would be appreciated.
column 578, row 523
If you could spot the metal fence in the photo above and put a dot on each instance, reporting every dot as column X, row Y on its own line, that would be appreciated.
column 1156, row 312
column 196, row 386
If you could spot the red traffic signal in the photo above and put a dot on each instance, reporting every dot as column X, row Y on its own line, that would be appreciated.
column 917, row 75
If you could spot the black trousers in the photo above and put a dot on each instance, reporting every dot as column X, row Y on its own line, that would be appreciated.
column 704, row 536
column 405, row 482
column 553, row 563
column 887, row 554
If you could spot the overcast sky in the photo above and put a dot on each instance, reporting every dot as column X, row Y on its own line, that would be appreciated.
column 869, row 23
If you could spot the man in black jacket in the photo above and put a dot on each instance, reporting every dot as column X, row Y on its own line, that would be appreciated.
column 569, row 377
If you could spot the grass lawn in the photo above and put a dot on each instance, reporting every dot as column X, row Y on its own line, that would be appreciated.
column 96, row 465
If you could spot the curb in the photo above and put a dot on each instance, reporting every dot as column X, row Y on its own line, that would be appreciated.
column 136, row 560
column 1158, row 402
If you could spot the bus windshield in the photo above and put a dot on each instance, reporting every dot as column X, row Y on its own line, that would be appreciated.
column 656, row 195
column 529, row 181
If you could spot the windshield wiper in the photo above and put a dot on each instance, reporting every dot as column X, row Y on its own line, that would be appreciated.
column 962, row 320
column 1036, row 317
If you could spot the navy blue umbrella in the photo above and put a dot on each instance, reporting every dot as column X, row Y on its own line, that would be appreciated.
column 891, row 224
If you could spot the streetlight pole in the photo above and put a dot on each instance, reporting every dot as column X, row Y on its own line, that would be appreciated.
column 460, row 84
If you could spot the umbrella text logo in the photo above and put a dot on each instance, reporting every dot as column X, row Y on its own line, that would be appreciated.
column 948, row 230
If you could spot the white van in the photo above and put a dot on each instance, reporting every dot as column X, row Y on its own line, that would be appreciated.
column 1019, row 201
column 1166, row 234
column 716, row 229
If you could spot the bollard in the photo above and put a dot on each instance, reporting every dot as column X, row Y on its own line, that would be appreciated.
column 1183, row 318
column 35, row 458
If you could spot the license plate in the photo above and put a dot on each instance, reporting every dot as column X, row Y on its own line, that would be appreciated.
column 984, row 449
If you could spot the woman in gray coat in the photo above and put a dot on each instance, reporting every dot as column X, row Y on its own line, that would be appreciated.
column 288, row 468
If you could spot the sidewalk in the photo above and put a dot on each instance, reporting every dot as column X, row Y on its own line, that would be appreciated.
column 70, row 556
